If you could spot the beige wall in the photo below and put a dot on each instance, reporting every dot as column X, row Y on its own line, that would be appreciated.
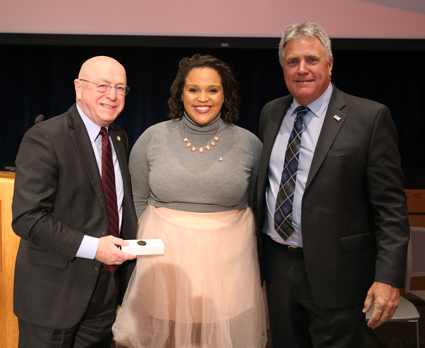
column 264, row 18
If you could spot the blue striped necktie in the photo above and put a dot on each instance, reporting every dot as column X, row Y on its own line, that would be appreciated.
column 285, row 195
column 108, row 182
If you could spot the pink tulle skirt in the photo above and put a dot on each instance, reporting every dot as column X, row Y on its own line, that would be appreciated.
column 203, row 292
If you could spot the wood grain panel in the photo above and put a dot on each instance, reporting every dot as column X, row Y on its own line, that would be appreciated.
column 9, row 243
column 416, row 209
column 415, row 201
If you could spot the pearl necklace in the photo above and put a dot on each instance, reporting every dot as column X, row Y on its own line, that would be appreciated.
column 200, row 149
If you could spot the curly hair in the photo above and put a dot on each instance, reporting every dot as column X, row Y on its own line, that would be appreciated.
column 229, row 110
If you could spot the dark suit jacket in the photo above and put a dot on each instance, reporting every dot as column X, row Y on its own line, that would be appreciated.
column 58, row 199
column 354, row 217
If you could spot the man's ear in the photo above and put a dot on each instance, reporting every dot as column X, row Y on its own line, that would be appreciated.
column 78, row 88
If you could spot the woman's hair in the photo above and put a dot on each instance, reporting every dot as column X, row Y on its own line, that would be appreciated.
column 229, row 110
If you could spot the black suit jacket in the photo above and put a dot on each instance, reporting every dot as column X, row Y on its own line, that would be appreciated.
column 354, row 217
column 58, row 199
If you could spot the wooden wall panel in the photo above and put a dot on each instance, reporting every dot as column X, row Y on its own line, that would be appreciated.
column 9, row 243
column 416, row 209
column 416, row 201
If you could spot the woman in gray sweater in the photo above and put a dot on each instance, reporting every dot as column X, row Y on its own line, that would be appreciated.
column 193, row 179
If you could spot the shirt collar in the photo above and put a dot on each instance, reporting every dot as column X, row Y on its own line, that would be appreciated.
column 318, row 106
column 92, row 128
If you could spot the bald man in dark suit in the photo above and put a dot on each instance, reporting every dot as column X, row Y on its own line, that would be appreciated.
column 69, row 270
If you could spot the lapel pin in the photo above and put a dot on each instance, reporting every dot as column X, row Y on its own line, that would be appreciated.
column 118, row 138
column 337, row 118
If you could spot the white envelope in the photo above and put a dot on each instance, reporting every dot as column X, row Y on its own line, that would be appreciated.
column 144, row 247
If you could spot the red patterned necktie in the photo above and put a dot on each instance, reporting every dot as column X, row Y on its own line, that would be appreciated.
column 108, row 181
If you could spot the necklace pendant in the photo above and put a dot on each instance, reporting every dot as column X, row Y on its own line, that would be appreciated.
column 207, row 147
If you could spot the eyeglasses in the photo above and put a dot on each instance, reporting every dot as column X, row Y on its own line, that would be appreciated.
column 104, row 87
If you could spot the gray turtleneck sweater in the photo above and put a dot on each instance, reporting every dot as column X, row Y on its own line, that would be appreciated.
column 165, row 173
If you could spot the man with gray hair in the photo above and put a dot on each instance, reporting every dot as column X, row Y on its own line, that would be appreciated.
column 331, row 210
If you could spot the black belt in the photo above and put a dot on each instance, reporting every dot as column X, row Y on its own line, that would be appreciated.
column 293, row 249
column 285, row 247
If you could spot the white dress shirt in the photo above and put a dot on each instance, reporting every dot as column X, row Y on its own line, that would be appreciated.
column 89, row 244
column 312, row 126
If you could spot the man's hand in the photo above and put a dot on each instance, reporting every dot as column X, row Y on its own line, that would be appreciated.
column 386, row 298
column 108, row 252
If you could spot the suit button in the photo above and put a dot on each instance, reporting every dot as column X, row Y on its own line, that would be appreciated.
column 97, row 267
column 104, row 232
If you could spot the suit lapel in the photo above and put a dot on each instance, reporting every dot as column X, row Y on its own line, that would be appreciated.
column 276, row 117
column 80, row 138
column 269, row 134
column 332, row 124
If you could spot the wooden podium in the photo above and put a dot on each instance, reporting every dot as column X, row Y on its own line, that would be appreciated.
column 9, row 243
